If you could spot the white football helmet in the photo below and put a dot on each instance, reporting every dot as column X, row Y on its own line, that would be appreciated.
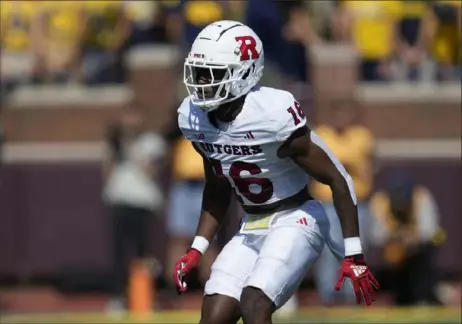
column 225, row 62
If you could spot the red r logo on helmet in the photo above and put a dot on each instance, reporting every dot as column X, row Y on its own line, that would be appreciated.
column 248, row 46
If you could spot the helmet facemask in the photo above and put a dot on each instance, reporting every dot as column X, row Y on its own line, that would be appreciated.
column 211, row 85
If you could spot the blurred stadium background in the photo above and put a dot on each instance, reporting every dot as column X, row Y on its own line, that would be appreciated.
column 75, row 73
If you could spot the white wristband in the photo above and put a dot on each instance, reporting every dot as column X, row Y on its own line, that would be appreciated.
column 200, row 244
column 352, row 246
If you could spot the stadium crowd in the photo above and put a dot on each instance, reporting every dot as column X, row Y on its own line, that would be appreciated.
column 86, row 41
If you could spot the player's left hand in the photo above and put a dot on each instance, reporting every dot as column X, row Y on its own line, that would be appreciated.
column 364, row 282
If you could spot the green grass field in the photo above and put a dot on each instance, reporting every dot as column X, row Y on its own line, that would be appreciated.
column 308, row 315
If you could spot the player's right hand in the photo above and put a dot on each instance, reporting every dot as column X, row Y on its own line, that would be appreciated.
column 183, row 267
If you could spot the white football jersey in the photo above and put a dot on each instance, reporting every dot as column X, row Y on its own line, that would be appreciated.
column 245, row 150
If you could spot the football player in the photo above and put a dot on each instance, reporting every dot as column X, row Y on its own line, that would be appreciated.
column 256, row 144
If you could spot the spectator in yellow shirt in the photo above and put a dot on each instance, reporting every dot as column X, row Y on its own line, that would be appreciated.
column 60, row 29
column 444, row 24
column 19, row 42
column 353, row 144
column 370, row 26
column 16, row 19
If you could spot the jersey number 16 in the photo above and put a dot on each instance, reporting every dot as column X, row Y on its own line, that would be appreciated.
column 297, row 114
column 242, row 184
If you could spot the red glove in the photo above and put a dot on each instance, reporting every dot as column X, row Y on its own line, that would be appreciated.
column 364, row 282
column 183, row 267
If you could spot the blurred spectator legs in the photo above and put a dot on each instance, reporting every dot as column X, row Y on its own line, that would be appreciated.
column 374, row 70
column 130, row 227
column 423, row 72
column 414, row 280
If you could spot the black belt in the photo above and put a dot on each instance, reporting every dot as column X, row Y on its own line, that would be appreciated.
column 284, row 204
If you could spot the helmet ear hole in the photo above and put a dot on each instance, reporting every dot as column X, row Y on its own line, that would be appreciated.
column 249, row 70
